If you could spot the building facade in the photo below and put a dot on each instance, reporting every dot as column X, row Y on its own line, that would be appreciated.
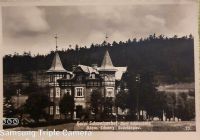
column 81, row 82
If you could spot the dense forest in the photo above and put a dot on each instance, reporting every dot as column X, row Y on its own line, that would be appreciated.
column 170, row 60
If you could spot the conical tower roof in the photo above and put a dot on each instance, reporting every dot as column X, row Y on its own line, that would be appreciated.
column 56, row 65
column 107, row 62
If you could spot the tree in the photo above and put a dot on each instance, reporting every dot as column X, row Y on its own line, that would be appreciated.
column 108, row 105
column 185, row 107
column 28, row 76
column 142, row 93
column 165, row 56
column 36, row 104
column 132, row 96
column 170, row 105
column 190, row 109
column 67, row 105
column 180, row 105
column 96, row 102
column 147, row 93
column 159, row 105
column 121, row 100
column 8, row 108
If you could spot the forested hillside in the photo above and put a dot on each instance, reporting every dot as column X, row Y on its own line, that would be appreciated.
column 168, row 59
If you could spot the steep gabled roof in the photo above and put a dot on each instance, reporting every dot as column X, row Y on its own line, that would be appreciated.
column 56, row 65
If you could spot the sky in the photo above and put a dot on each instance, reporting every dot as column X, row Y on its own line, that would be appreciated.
column 33, row 28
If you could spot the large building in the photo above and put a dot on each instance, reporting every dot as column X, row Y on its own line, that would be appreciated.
column 81, row 82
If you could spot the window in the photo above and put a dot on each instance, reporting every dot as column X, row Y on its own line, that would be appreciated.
column 56, row 78
column 110, row 92
column 95, row 83
column 57, row 110
column 90, row 83
column 51, row 92
column 93, row 76
column 68, row 76
column 67, row 91
column 79, row 92
column 106, row 78
column 57, row 92
column 79, row 78
column 51, row 110
column 111, row 78
column 51, row 78
column 118, row 89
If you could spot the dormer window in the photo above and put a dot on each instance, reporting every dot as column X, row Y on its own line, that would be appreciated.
column 68, row 76
column 93, row 76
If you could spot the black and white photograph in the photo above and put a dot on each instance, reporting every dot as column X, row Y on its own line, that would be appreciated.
column 100, row 67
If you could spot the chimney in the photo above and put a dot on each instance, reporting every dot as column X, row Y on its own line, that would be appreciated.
column 94, row 66
column 74, row 67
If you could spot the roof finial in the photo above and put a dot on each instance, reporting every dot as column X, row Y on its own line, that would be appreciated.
column 56, row 37
column 106, row 38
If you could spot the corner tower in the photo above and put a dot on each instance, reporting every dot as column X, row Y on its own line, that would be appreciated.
column 55, row 72
column 107, row 72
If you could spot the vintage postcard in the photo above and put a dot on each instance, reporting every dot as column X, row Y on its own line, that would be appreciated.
column 92, row 67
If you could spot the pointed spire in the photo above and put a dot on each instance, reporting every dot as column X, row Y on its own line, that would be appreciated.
column 107, row 62
column 106, row 38
column 56, row 37
column 56, row 65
